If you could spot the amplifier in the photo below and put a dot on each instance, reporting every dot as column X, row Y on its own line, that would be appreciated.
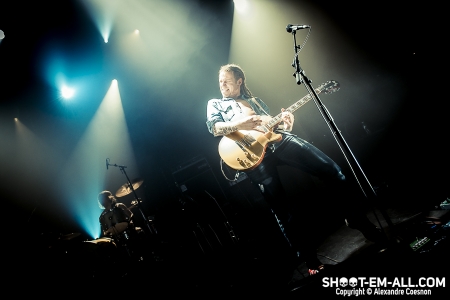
column 190, row 170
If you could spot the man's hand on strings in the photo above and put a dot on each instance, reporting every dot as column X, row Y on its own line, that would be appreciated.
column 288, row 119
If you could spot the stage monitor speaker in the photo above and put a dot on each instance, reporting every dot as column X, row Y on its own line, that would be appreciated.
column 200, row 190
column 190, row 170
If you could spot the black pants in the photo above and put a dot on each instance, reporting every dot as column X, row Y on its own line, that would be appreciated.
column 298, row 153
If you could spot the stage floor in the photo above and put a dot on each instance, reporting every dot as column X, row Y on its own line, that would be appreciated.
column 255, row 266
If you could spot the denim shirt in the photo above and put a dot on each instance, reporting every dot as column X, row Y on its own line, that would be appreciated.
column 225, row 109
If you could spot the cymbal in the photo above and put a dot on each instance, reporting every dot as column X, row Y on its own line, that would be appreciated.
column 126, row 189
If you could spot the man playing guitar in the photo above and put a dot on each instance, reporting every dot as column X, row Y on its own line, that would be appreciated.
column 244, row 122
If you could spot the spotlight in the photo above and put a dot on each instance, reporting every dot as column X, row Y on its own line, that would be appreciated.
column 136, row 31
column 105, row 35
column 67, row 92
column 2, row 35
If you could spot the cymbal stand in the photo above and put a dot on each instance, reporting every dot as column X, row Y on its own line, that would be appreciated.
column 130, row 185
column 300, row 77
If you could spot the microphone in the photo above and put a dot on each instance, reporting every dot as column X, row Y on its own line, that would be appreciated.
column 107, row 164
column 290, row 27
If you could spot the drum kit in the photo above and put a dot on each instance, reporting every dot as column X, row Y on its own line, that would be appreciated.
column 100, row 257
column 132, row 234
column 123, row 190
column 119, row 253
column 130, row 188
column 114, row 253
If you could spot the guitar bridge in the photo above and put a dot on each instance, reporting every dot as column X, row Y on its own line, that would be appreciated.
column 244, row 163
column 250, row 156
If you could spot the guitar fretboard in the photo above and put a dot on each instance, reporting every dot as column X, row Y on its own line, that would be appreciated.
column 277, row 119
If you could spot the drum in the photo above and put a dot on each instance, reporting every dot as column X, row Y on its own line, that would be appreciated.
column 101, row 258
column 100, row 249
column 103, row 241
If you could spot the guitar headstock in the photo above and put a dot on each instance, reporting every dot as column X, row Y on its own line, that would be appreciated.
column 329, row 87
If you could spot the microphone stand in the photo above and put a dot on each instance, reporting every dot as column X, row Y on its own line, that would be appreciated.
column 300, row 77
column 233, row 236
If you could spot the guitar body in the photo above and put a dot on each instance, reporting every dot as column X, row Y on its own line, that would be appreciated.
column 244, row 150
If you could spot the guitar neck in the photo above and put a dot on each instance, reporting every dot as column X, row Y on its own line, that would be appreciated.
column 277, row 119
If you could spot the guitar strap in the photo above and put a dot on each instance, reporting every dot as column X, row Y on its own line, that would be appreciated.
column 259, row 105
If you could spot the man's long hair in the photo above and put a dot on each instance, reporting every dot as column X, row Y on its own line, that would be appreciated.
column 110, row 197
column 238, row 73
